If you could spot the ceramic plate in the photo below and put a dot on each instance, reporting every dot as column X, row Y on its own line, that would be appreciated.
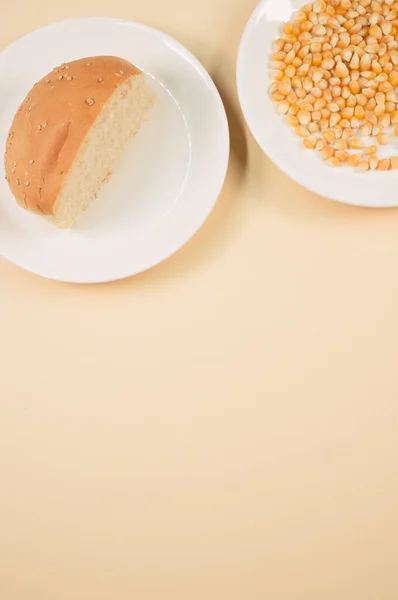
column 167, row 181
column 278, row 140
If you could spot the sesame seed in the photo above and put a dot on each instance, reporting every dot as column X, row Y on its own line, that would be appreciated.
column 27, row 183
column 118, row 75
column 66, row 66
column 45, row 124
column 39, row 127
column 100, row 80
column 30, row 108
column 24, row 195
column 62, row 67
column 60, row 77
column 17, row 182
column 31, row 161
column 90, row 101
column 69, row 78
column 13, row 170
column 47, row 81
column 121, row 72
column 88, row 64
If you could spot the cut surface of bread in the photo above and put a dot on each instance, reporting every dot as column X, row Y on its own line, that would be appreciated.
column 119, row 121
column 69, row 132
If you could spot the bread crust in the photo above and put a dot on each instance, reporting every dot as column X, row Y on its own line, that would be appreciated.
column 51, row 124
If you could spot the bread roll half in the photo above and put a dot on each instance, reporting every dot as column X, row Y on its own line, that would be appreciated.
column 69, row 132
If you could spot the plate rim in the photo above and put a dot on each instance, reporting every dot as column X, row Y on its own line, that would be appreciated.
column 251, row 23
column 224, row 162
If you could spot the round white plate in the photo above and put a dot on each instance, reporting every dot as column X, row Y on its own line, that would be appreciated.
column 167, row 181
column 277, row 139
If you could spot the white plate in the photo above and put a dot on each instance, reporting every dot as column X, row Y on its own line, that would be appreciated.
column 278, row 140
column 165, row 185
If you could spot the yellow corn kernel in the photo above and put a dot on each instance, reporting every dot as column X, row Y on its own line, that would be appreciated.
column 292, row 121
column 310, row 142
column 384, row 165
column 341, row 144
column 342, row 155
column 373, row 162
column 394, row 162
column 302, row 131
column 371, row 118
column 353, row 160
column 327, row 153
column 370, row 150
column 333, row 161
column 383, row 139
column 329, row 136
column 363, row 166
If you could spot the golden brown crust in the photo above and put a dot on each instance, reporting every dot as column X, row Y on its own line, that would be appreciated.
column 51, row 124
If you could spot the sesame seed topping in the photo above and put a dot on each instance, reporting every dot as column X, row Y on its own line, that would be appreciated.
column 121, row 72
column 100, row 79
column 31, row 161
column 60, row 77
column 88, row 64
column 30, row 108
column 62, row 67
column 11, row 134
column 13, row 170
column 66, row 66
column 45, row 124
column 27, row 183
column 90, row 101
column 47, row 81
column 69, row 78
column 118, row 75
column 39, row 127
column 24, row 195
column 17, row 182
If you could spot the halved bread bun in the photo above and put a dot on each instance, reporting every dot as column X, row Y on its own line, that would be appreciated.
column 69, row 132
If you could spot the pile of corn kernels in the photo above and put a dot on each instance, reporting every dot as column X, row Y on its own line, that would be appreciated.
column 334, row 74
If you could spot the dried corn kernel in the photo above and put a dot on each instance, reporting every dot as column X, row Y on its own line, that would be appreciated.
column 384, row 165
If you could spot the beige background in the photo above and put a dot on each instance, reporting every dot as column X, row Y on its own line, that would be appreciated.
column 225, row 426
